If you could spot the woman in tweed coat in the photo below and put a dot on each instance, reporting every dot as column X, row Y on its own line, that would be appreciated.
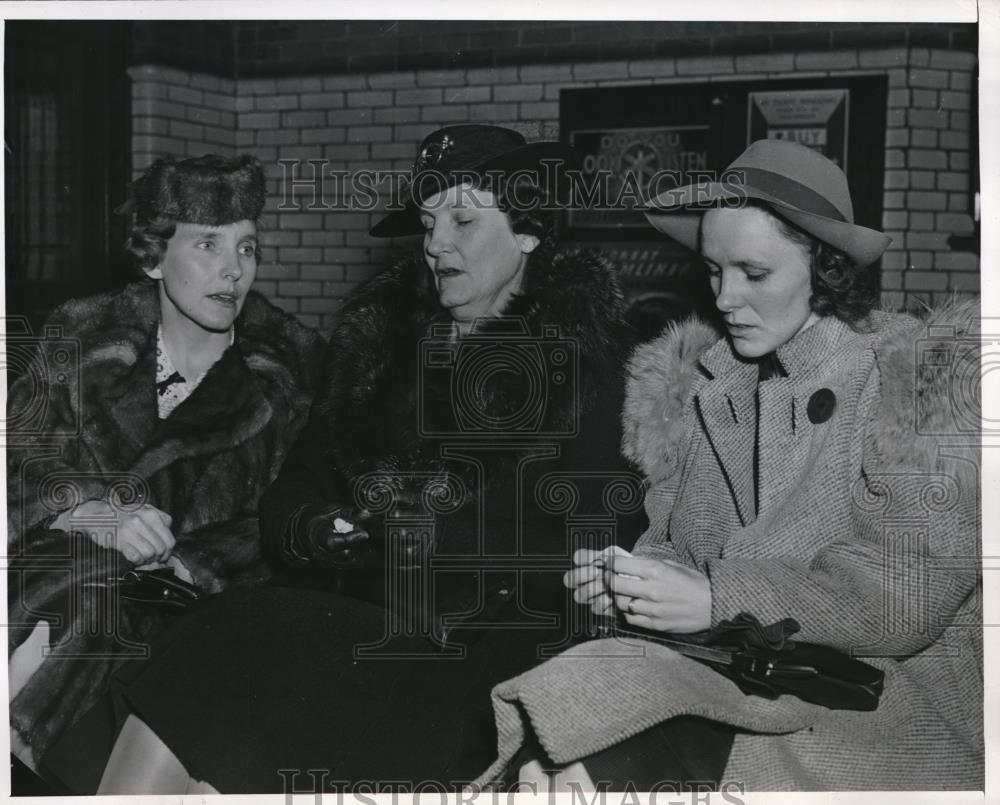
column 819, row 463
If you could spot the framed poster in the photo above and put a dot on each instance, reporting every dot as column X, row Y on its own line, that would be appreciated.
column 624, row 163
column 636, row 141
column 815, row 118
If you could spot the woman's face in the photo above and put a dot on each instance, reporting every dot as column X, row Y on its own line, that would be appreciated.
column 206, row 273
column 476, row 258
column 761, row 279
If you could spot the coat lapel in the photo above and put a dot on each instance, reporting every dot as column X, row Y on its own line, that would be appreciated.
column 212, row 419
column 783, row 443
column 726, row 406
column 131, row 398
column 814, row 361
column 118, row 367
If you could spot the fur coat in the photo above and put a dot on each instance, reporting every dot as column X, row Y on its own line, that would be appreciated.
column 478, row 436
column 88, row 429
column 865, row 529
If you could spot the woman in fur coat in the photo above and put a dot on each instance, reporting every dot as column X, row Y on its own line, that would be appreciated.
column 465, row 443
column 158, row 415
column 818, row 463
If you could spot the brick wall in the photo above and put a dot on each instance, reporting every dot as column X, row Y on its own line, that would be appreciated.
column 290, row 47
column 179, row 112
column 314, row 257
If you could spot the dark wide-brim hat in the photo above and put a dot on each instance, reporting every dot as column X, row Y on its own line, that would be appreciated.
column 798, row 183
column 211, row 190
column 456, row 153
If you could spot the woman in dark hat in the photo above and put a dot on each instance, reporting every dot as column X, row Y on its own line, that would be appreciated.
column 467, row 440
column 804, row 466
column 180, row 396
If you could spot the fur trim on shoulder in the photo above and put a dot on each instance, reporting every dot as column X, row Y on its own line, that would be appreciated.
column 113, row 327
column 930, row 387
column 579, row 292
column 372, row 383
column 273, row 367
column 660, row 378
column 277, row 345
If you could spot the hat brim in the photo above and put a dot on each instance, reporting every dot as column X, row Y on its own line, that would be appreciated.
column 406, row 221
column 677, row 213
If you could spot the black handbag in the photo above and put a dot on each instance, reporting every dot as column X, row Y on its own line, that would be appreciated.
column 764, row 661
column 159, row 588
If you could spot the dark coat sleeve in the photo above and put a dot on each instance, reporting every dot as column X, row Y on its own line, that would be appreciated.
column 598, row 450
column 307, row 479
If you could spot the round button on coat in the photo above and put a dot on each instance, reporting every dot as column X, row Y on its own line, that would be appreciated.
column 821, row 406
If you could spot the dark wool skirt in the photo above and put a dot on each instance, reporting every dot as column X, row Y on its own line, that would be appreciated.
column 257, row 688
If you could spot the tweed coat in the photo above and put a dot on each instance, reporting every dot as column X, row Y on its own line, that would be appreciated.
column 96, row 435
column 865, row 530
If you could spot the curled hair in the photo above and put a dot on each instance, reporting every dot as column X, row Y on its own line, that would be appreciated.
column 530, row 205
column 147, row 242
column 839, row 286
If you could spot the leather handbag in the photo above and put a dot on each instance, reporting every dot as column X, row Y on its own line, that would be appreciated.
column 159, row 588
column 764, row 661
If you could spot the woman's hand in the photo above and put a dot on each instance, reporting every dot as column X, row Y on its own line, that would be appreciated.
column 141, row 535
column 659, row 594
column 335, row 536
column 175, row 564
column 586, row 580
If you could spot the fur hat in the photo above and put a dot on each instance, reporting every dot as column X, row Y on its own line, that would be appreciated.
column 212, row 190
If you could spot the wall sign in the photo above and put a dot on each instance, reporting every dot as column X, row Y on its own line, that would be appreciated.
column 624, row 163
column 636, row 141
column 816, row 118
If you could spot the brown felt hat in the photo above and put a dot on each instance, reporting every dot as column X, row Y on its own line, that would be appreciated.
column 799, row 183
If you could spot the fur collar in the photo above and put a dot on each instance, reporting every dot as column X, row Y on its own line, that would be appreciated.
column 930, row 375
column 917, row 395
column 117, row 326
column 375, row 392
column 272, row 365
column 661, row 376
